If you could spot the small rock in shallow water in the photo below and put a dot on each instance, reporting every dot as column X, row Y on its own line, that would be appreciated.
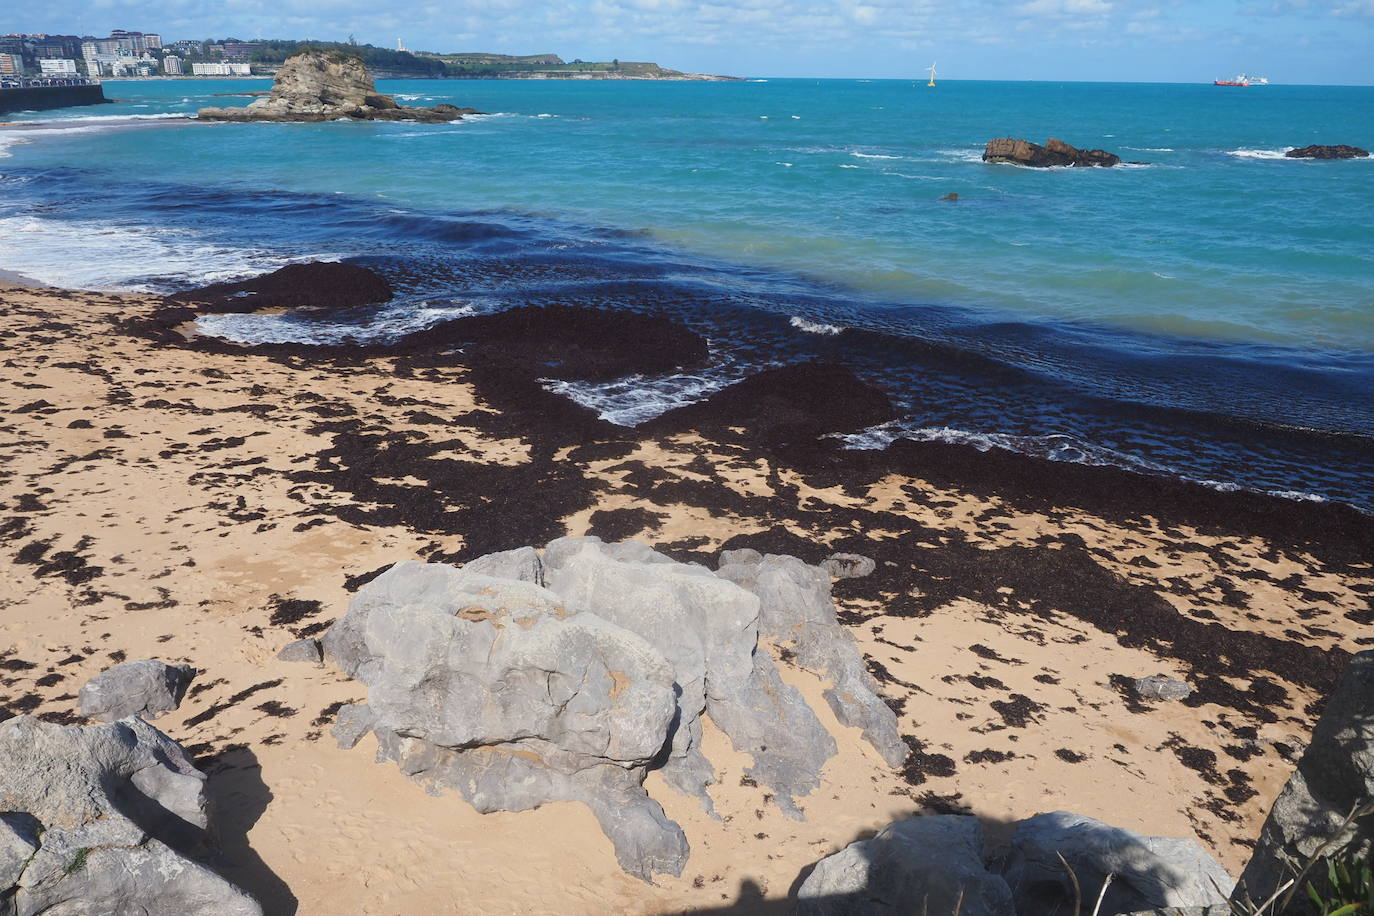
column 1162, row 687
column 302, row 650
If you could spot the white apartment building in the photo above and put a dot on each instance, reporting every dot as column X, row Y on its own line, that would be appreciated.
column 171, row 65
column 57, row 67
column 221, row 69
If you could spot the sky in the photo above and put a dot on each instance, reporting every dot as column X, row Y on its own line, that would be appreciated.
column 1288, row 41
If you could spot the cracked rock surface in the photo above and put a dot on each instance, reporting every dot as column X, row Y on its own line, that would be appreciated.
column 104, row 819
column 567, row 675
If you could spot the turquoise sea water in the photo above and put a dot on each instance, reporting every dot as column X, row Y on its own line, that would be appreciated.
column 1220, row 284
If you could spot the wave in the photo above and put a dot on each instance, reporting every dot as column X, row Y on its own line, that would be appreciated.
column 874, row 156
column 298, row 327
column 96, row 119
column 1053, row 447
column 1149, row 149
column 94, row 254
column 638, row 398
column 1257, row 153
column 815, row 327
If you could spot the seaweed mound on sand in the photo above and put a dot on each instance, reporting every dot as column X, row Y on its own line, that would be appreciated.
column 326, row 86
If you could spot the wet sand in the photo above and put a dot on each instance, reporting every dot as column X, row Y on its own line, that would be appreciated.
column 197, row 502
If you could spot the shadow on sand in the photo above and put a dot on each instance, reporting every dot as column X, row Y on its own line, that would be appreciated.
column 238, row 797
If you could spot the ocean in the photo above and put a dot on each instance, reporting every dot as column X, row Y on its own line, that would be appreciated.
column 1205, row 312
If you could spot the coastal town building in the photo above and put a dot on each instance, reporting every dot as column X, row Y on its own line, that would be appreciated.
column 171, row 65
column 239, row 50
column 220, row 68
column 11, row 65
column 57, row 67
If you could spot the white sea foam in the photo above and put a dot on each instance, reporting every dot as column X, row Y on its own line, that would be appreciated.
column 815, row 327
column 785, row 164
column 1150, row 149
column 1055, row 447
column 637, row 398
column 974, row 154
column 858, row 155
column 1257, row 153
column 99, row 119
column 383, row 327
column 844, row 166
column 91, row 254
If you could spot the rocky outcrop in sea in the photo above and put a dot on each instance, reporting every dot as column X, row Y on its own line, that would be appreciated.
column 327, row 86
column 1055, row 152
column 527, row 677
column 1339, row 151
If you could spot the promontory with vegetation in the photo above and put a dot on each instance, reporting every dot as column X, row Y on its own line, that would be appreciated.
column 267, row 55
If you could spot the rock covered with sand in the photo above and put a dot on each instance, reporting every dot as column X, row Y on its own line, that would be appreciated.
column 526, row 678
column 145, row 688
column 922, row 865
column 325, row 86
column 1146, row 872
column 105, row 819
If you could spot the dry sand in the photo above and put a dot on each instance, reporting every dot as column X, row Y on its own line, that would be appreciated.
column 157, row 502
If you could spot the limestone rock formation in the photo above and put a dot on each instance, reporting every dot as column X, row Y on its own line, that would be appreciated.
column 707, row 628
column 1147, row 872
column 145, row 688
column 1055, row 152
column 524, row 678
column 797, row 612
column 923, row 865
column 326, row 86
column 1339, row 151
column 495, row 688
column 105, row 819
column 1335, row 774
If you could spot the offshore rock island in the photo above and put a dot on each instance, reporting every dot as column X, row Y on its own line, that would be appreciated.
column 326, row 86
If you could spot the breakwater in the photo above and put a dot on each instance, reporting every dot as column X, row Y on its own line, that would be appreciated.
column 35, row 96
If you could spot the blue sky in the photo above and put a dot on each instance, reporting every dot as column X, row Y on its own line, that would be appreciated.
column 1290, row 41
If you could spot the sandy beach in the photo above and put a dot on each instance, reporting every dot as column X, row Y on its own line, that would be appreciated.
column 195, row 502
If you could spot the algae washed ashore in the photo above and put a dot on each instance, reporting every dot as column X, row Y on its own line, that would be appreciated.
column 1107, row 316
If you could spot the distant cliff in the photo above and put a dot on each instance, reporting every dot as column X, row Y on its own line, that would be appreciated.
column 386, row 63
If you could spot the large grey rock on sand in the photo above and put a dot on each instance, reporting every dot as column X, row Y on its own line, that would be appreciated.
column 707, row 629
column 145, row 688
column 1147, row 872
column 1335, row 774
column 522, row 564
column 301, row 650
column 353, row 721
column 1162, row 687
column 923, row 865
column 497, row 688
column 318, row 85
column 848, row 565
column 110, row 815
column 797, row 612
